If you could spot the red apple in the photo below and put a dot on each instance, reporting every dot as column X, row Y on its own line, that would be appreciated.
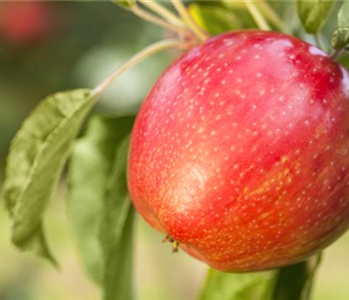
column 241, row 151
column 24, row 22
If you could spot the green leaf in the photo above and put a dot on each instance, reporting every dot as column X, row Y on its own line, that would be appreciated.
column 90, row 169
column 125, row 4
column 230, row 286
column 295, row 282
column 99, row 209
column 313, row 14
column 118, row 276
column 35, row 162
column 210, row 3
column 225, row 15
column 288, row 283
column 340, row 38
column 116, row 232
column 343, row 15
column 214, row 19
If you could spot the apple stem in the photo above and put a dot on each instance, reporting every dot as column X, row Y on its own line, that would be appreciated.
column 337, row 53
column 271, row 15
column 145, row 53
column 156, row 20
column 163, row 12
column 257, row 16
column 188, row 19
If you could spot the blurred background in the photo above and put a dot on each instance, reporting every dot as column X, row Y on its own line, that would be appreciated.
column 47, row 47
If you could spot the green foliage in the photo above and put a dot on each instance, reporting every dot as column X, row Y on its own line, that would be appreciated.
column 343, row 15
column 125, row 4
column 222, row 16
column 210, row 3
column 340, row 38
column 99, row 209
column 288, row 283
column 214, row 19
column 313, row 14
column 229, row 286
column 295, row 281
column 35, row 162
column 116, row 233
column 238, row 8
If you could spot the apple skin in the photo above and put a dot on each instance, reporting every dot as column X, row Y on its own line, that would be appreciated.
column 23, row 22
column 240, row 152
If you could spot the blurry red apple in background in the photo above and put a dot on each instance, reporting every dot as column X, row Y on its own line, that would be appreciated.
column 241, row 151
column 25, row 21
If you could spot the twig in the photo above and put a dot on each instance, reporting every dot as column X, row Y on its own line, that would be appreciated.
column 188, row 19
column 145, row 53
column 257, row 16
column 163, row 12
column 271, row 15
column 156, row 20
